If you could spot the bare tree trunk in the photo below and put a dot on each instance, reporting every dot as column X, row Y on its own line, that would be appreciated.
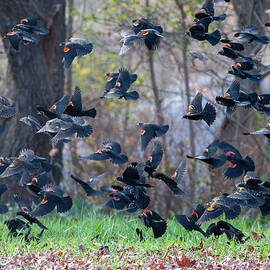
column 158, row 104
column 35, row 74
column 192, row 167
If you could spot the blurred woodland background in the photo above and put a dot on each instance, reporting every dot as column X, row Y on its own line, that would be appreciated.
column 167, row 81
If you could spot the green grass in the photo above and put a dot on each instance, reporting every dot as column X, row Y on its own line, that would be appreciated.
column 74, row 233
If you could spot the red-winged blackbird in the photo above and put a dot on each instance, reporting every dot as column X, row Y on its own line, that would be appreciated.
column 153, row 220
column 40, row 180
column 25, row 166
column 207, row 10
column 249, row 100
column 3, row 208
column 152, row 40
column 56, row 110
column 31, row 219
column 264, row 131
column 15, row 37
column 199, row 31
column 137, row 196
column 15, row 225
column 239, row 70
column 4, row 163
column 230, row 98
column 252, row 184
column 246, row 198
column 33, row 21
column 31, row 29
column 227, row 51
column 196, row 112
column 142, row 31
column 51, row 197
column 238, row 165
column 75, row 47
column 252, row 179
column 214, row 229
column 7, row 109
column 249, row 33
column 150, row 131
column 30, row 25
column 219, row 205
column 36, row 125
column 153, row 160
column 264, row 99
column 26, row 212
column 189, row 222
column 66, row 127
column 86, row 187
column 208, row 155
column 132, row 177
column 121, row 85
column 142, row 23
column 74, row 107
column 130, row 39
column 112, row 78
column 23, row 31
column 233, row 45
column 257, row 190
column 109, row 150
column 119, row 200
column 23, row 205
column 140, row 199
column 130, row 197
column 173, row 181
column 224, row 227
